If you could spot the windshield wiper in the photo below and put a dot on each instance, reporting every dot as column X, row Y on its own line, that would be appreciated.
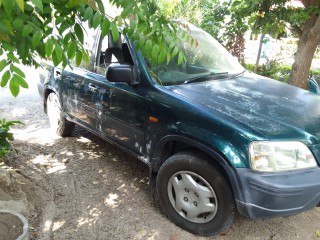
column 238, row 74
column 204, row 77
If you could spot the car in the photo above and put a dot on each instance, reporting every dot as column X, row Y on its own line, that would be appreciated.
column 218, row 140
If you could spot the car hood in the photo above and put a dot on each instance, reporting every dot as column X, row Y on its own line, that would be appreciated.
column 274, row 109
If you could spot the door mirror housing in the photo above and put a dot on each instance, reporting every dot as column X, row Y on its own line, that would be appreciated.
column 120, row 73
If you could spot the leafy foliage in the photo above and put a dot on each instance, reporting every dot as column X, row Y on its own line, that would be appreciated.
column 6, row 136
column 274, row 70
column 31, row 30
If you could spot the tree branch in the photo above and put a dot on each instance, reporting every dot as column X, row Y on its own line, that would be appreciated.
column 296, row 29
column 315, row 30
column 308, row 3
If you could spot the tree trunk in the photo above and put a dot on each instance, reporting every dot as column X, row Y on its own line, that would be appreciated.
column 308, row 42
column 259, row 53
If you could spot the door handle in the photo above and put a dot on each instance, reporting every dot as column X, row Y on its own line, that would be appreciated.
column 93, row 88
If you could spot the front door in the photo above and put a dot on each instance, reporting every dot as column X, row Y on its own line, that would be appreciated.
column 123, row 118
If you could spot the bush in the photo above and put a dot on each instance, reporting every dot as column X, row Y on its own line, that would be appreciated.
column 6, row 136
column 276, row 71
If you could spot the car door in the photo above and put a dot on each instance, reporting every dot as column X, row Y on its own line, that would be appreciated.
column 84, row 96
column 79, row 85
column 123, row 115
column 126, row 117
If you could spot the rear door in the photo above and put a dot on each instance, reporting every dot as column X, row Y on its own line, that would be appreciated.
column 79, row 85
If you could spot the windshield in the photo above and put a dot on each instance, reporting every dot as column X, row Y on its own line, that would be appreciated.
column 206, row 59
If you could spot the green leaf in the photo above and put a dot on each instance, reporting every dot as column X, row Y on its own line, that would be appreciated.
column 58, row 51
column 100, row 6
column 26, row 30
column 8, row 47
column 114, row 31
column 10, row 123
column 78, row 58
column 3, row 28
column 148, row 45
column 72, row 50
column 180, row 58
column 85, row 57
column 38, row 4
column 55, row 60
column 155, row 51
column 3, row 64
column 49, row 47
column 175, row 51
column 138, row 45
column 17, row 23
column 133, row 24
column 105, row 27
column 96, row 20
column 127, row 9
column 66, row 39
column 10, row 136
column 17, row 70
column 14, row 87
column 36, row 38
column 64, row 26
column 41, row 50
column 168, row 57
column 172, row 44
column 5, row 77
column 79, row 32
column 162, row 56
column 12, row 58
column 142, row 40
column 9, row 6
column 20, row 4
column 88, row 13
column 119, row 21
column 19, row 80
column 142, row 27
column 59, row 20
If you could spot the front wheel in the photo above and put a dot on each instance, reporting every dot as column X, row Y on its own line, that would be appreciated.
column 58, row 123
column 195, row 195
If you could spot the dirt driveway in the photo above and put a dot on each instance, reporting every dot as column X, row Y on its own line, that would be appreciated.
column 83, row 188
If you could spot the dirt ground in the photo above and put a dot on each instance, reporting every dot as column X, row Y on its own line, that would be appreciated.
column 81, row 187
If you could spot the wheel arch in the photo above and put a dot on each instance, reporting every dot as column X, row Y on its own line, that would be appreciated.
column 172, row 144
column 47, row 91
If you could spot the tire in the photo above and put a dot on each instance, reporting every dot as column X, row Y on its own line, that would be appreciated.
column 195, row 195
column 58, row 123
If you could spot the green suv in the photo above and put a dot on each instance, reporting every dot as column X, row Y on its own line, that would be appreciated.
column 218, row 140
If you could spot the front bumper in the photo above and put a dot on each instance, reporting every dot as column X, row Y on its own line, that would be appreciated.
column 278, row 194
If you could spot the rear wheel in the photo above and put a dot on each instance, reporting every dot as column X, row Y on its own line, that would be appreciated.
column 58, row 123
column 195, row 195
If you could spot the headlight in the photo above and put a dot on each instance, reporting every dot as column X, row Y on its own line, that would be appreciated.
column 280, row 156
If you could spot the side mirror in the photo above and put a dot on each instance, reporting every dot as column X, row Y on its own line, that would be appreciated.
column 120, row 73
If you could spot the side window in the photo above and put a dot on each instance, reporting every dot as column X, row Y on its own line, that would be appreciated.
column 89, row 35
column 110, row 52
